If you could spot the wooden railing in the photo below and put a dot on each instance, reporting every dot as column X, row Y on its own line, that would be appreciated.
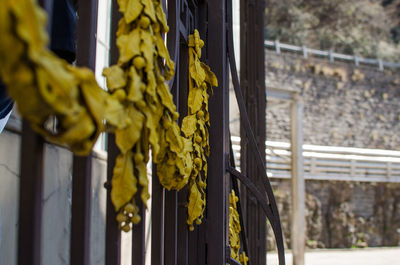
column 331, row 163
column 329, row 54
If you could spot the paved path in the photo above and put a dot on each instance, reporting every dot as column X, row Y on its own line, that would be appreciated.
column 367, row 256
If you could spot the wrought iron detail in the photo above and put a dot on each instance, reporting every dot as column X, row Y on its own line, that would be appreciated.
column 267, row 202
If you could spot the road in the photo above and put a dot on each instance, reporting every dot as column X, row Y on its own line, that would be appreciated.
column 367, row 256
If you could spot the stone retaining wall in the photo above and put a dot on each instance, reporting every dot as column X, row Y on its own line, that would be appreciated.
column 347, row 106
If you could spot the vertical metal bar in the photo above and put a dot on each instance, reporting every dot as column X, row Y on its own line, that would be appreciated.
column 82, row 166
column 171, row 228
column 157, row 222
column 31, row 186
column 86, row 33
column 252, row 77
column 171, row 197
column 298, row 184
column 139, row 236
column 216, row 52
column 30, row 197
column 183, row 232
column 81, row 209
column 113, row 234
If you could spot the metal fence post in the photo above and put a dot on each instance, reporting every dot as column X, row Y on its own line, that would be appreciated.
column 82, row 166
column 216, row 227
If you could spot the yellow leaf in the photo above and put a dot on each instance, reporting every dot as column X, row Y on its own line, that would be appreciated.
column 123, row 182
column 165, row 174
column 161, row 18
column 152, row 85
column 189, row 125
column 149, row 9
column 143, row 181
column 123, row 28
column 132, row 11
column 134, row 90
column 195, row 100
column 128, row 45
column 152, row 122
column 77, row 135
column 197, row 73
column 166, row 97
column 147, row 47
column 115, row 77
column 127, row 137
column 95, row 99
column 163, row 52
column 174, row 139
column 210, row 76
column 115, row 113
column 196, row 204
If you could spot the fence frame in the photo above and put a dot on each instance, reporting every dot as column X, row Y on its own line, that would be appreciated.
column 172, row 243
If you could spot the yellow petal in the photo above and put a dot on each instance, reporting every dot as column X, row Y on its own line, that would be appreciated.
column 210, row 76
column 132, row 11
column 115, row 113
column 149, row 9
column 115, row 77
column 189, row 125
column 195, row 100
column 123, row 182
column 161, row 18
column 147, row 47
column 143, row 181
column 128, row 45
column 196, row 204
column 127, row 137
column 134, row 90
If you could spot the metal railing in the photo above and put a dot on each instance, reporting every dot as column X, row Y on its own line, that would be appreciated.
column 331, row 162
column 329, row 54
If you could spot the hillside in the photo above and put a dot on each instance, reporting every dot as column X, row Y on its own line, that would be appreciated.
column 368, row 28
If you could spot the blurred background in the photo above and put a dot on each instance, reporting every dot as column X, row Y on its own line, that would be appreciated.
column 333, row 66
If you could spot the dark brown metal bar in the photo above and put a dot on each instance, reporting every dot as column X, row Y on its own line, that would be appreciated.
column 30, row 197
column 157, row 221
column 139, row 235
column 171, row 228
column 252, row 78
column 31, row 186
column 216, row 52
column 81, row 209
column 113, row 234
column 182, row 245
column 235, row 187
column 274, row 219
column 171, row 197
column 82, row 166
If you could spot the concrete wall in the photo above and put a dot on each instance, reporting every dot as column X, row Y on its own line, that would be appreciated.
column 56, row 203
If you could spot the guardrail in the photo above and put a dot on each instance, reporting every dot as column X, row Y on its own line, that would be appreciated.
column 330, row 54
column 331, row 163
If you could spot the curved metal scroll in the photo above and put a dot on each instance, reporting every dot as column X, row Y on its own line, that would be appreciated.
column 268, row 204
